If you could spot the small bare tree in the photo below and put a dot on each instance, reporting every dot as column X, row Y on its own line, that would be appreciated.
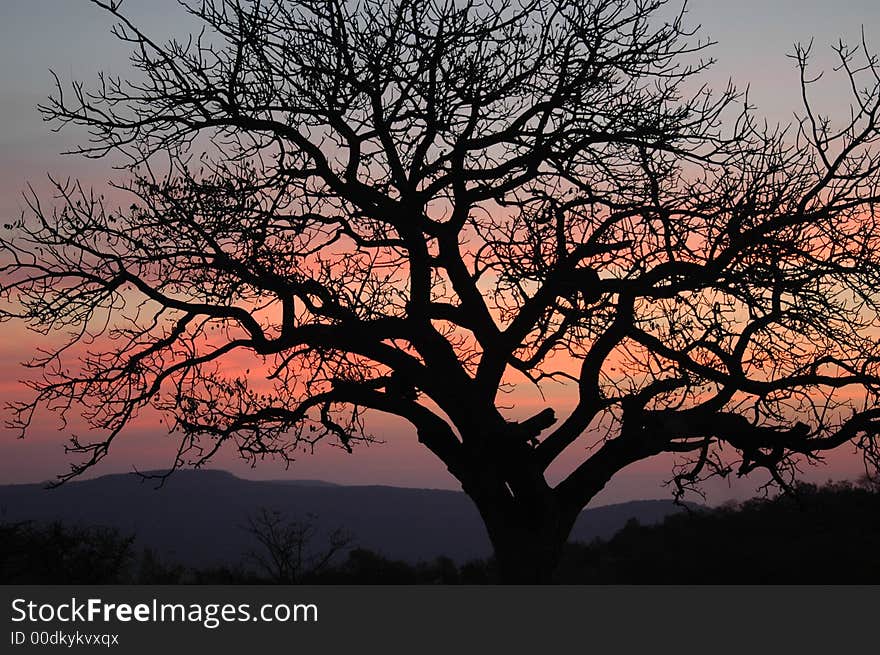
column 290, row 549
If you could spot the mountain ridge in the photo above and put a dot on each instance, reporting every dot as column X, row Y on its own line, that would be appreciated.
column 199, row 517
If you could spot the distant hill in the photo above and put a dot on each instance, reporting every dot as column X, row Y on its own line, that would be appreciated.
column 197, row 518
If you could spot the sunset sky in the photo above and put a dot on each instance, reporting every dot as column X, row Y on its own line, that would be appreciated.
column 72, row 38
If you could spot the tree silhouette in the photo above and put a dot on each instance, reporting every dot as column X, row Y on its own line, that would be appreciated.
column 289, row 550
column 408, row 207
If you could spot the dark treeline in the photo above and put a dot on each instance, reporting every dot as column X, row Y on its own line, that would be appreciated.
column 822, row 535
column 828, row 534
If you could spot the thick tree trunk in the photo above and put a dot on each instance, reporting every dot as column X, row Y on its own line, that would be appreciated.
column 527, row 523
column 526, row 557
column 527, row 538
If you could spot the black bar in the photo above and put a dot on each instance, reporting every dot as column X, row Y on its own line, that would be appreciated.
column 454, row 620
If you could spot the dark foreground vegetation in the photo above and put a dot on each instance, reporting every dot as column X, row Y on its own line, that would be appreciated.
column 828, row 534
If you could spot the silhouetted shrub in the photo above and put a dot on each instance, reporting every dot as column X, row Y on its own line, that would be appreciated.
column 56, row 553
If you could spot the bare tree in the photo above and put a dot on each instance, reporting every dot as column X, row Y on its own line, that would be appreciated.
column 410, row 206
column 290, row 551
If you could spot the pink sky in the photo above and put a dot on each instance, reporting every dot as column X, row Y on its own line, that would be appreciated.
column 400, row 461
